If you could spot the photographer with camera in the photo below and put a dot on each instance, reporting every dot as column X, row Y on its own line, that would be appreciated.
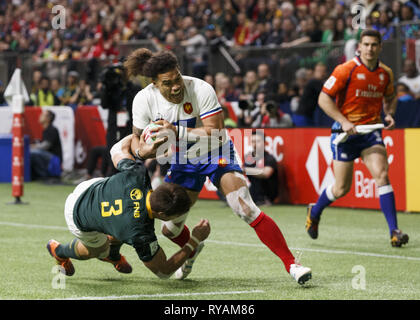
column 250, row 115
column 274, row 117
column 117, row 94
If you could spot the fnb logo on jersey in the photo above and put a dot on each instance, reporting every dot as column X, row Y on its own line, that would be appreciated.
column 188, row 107
column 319, row 164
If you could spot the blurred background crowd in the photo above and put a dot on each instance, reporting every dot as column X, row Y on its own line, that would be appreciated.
column 271, row 89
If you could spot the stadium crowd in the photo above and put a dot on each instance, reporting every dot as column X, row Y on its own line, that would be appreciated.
column 94, row 28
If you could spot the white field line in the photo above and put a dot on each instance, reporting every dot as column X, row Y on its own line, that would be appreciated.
column 32, row 226
column 240, row 244
column 164, row 295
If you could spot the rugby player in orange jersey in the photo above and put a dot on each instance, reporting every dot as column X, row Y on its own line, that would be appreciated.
column 355, row 94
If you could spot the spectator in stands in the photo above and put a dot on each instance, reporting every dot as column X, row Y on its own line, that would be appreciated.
column 411, row 78
column 242, row 30
column 262, row 172
column 250, row 115
column 57, row 89
column 303, row 116
column 225, row 91
column 275, row 37
column 395, row 11
column 229, row 23
column 250, row 88
column 266, row 81
column 274, row 117
column 384, row 26
column 311, row 34
column 46, row 155
column 44, row 96
column 82, row 95
column 209, row 78
column 196, row 50
column 403, row 92
column 70, row 88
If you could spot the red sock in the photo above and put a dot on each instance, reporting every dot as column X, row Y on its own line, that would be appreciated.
column 183, row 238
column 270, row 234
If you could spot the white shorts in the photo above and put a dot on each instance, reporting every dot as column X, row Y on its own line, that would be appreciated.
column 91, row 239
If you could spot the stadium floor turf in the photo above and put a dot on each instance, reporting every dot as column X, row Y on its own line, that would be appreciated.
column 351, row 260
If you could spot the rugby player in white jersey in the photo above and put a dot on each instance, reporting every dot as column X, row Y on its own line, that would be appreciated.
column 177, row 103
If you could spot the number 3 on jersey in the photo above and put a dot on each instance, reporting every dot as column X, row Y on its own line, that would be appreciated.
column 107, row 210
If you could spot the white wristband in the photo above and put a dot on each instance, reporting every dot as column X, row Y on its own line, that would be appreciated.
column 195, row 239
column 189, row 246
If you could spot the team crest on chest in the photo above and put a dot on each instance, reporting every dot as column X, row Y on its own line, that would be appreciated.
column 188, row 109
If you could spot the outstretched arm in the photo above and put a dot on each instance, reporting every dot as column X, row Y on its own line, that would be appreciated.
column 163, row 267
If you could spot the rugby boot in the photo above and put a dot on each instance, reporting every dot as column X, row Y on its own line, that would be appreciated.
column 120, row 265
column 67, row 267
column 300, row 273
column 398, row 238
column 311, row 223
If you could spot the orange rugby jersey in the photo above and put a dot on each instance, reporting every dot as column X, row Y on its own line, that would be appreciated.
column 358, row 91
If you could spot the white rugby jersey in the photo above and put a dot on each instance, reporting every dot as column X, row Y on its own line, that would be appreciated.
column 200, row 101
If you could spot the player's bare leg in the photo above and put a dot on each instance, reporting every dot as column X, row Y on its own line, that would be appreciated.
column 376, row 160
column 343, row 172
column 234, row 187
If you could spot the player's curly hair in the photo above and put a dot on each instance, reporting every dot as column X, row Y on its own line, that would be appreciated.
column 171, row 199
column 146, row 63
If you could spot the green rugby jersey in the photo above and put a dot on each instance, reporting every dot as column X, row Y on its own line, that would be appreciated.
column 117, row 206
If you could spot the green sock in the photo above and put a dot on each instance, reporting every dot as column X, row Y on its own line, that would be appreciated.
column 68, row 250
column 114, row 252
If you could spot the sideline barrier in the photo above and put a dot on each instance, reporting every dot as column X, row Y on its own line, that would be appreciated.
column 303, row 155
column 306, row 158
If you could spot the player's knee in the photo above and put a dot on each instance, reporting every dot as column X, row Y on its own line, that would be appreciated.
column 100, row 252
column 381, row 178
column 341, row 191
column 104, row 253
column 242, row 204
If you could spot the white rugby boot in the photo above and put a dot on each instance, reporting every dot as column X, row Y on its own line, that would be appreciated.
column 300, row 273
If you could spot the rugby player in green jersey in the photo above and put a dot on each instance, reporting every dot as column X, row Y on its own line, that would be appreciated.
column 101, row 210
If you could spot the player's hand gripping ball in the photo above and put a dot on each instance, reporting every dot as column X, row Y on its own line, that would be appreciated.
column 150, row 136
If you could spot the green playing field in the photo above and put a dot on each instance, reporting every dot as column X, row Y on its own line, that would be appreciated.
column 351, row 259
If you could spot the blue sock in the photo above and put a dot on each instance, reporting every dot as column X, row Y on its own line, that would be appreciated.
column 324, row 200
column 387, row 202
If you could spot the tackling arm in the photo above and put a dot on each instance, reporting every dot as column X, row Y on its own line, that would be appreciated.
column 121, row 150
column 163, row 267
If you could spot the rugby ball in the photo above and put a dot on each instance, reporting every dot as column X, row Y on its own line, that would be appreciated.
column 150, row 136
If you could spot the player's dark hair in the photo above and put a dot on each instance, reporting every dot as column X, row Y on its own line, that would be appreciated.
column 371, row 33
column 171, row 199
column 146, row 63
